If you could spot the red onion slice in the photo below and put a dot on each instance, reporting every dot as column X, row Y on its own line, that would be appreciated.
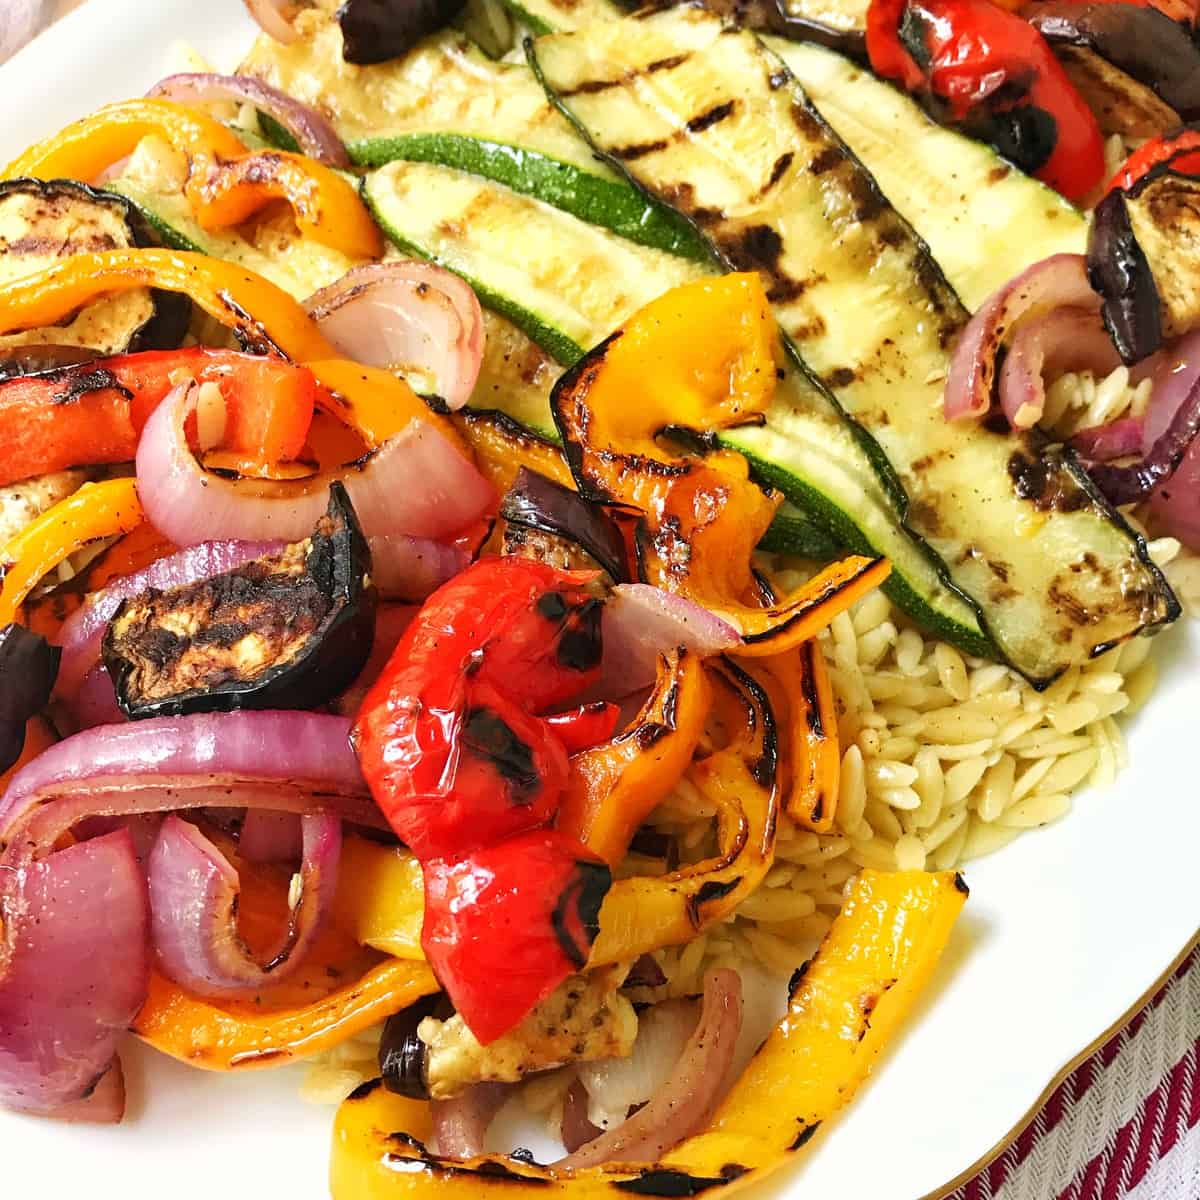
column 103, row 1105
column 314, row 134
column 461, row 1124
column 640, row 622
column 407, row 316
column 23, row 19
column 74, row 969
column 270, row 837
column 1068, row 339
column 1103, row 443
column 417, row 484
column 83, row 631
column 95, row 702
column 274, row 18
column 408, row 568
column 193, row 905
column 1055, row 282
column 576, row 1127
column 686, row 1101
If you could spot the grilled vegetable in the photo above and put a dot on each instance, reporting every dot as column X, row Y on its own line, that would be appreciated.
column 779, row 193
column 1138, row 39
column 28, row 668
column 1119, row 102
column 1140, row 255
column 284, row 632
column 41, row 222
column 376, row 30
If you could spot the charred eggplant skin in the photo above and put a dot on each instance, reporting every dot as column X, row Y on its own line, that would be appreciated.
column 172, row 314
column 1143, row 42
column 288, row 631
column 374, row 31
column 28, row 669
column 1119, row 271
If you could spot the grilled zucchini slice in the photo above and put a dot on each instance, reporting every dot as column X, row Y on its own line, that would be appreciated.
column 727, row 136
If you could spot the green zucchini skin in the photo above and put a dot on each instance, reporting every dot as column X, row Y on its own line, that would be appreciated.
column 608, row 203
column 706, row 118
column 795, row 532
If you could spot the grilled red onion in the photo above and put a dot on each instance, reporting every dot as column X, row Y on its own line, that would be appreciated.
column 270, row 837
column 461, row 1124
column 406, row 315
column 274, row 760
column 1067, row 339
column 640, row 622
column 95, row 701
column 408, row 568
column 83, row 631
column 417, row 483
column 314, row 134
column 1055, row 282
column 193, row 905
column 576, row 1127
column 22, row 20
column 274, row 18
column 1103, row 443
column 73, row 973
column 686, row 1101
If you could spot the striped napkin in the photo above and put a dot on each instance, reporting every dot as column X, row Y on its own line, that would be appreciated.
column 1126, row 1124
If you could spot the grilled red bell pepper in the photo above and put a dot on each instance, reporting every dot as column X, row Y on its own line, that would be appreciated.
column 92, row 414
column 999, row 80
column 468, row 772
column 1179, row 150
column 505, row 925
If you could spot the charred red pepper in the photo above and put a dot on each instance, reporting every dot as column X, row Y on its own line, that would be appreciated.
column 92, row 413
column 468, row 772
column 990, row 72
column 1179, row 151
column 505, row 925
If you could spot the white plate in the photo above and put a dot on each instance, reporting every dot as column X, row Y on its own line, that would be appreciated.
column 1065, row 932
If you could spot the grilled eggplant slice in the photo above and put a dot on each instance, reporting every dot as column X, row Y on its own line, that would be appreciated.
column 708, row 119
column 28, row 669
column 41, row 222
column 287, row 631
column 377, row 30
column 1142, row 258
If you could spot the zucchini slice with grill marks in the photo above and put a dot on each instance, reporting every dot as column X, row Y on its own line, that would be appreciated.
column 583, row 283
column 726, row 135
column 446, row 103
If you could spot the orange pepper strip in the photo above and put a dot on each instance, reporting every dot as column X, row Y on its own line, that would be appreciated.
column 97, row 510
column 326, row 207
column 613, row 787
column 226, row 182
column 38, row 737
column 797, row 684
column 502, row 448
column 263, row 315
column 84, row 149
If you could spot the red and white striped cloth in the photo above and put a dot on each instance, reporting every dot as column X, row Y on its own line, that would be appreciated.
column 1126, row 1124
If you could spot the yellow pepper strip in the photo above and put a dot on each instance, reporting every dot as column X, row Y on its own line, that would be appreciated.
column 339, row 990
column 89, row 146
column 226, row 182
column 797, row 684
column 374, row 401
column 502, row 448
column 327, row 208
column 843, row 1011
column 613, row 787
column 263, row 316
column 97, row 510
column 384, row 901
column 701, row 517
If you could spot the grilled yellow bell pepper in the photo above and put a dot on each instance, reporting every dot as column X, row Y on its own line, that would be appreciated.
column 226, row 182
column 843, row 1010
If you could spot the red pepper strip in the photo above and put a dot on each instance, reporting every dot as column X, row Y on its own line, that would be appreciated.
column 584, row 727
column 1179, row 150
column 986, row 63
column 93, row 414
column 466, row 772
column 506, row 925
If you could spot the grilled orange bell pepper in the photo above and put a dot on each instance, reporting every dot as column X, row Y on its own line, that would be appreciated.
column 613, row 787
column 502, row 448
column 97, row 510
column 701, row 517
column 226, row 182
column 843, row 1010
column 265, row 318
